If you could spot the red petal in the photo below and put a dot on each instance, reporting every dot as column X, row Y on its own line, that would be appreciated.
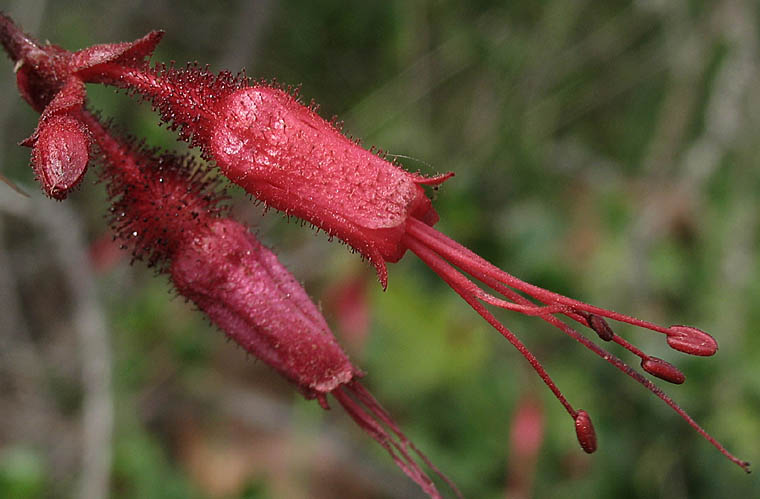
column 70, row 97
column 126, row 53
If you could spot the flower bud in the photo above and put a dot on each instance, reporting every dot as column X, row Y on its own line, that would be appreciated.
column 60, row 154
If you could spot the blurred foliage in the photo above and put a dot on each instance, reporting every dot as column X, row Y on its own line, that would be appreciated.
column 606, row 150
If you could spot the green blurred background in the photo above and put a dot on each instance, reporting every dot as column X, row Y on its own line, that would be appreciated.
column 605, row 150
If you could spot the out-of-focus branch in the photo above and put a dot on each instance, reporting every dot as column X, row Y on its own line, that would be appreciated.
column 66, row 236
column 65, row 231
column 730, row 22
column 262, row 412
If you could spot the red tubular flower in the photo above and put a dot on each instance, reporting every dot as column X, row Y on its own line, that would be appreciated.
column 61, row 150
column 168, row 212
column 287, row 156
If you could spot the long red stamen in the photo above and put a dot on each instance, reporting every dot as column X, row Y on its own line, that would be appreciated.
column 684, row 338
column 440, row 253
column 367, row 412
column 458, row 282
